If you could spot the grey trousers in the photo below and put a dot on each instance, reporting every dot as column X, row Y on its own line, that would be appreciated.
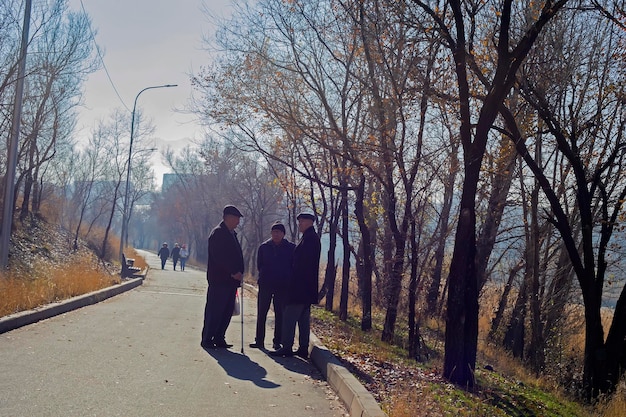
column 300, row 314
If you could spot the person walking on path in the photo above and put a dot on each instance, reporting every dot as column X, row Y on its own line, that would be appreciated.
column 302, row 290
column 224, row 275
column 175, row 254
column 164, row 253
column 184, row 254
column 274, row 262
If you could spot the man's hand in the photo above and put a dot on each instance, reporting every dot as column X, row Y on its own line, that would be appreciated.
column 237, row 277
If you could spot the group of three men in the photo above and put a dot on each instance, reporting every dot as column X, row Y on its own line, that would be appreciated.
column 288, row 274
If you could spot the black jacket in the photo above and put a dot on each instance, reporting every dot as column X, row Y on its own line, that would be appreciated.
column 306, row 266
column 225, row 256
column 274, row 262
column 176, row 252
column 164, row 252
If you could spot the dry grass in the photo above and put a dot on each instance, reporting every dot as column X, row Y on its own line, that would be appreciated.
column 45, row 267
column 49, row 284
column 404, row 387
column 615, row 406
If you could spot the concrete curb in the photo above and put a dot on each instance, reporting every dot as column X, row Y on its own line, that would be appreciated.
column 360, row 402
column 24, row 318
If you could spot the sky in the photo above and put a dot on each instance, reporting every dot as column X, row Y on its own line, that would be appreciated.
column 148, row 43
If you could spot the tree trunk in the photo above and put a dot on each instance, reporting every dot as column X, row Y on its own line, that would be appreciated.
column 615, row 342
column 330, row 275
column 504, row 299
column 501, row 184
column 28, row 186
column 413, row 322
column 364, row 266
column 462, row 312
column 535, row 349
column 514, row 337
column 345, row 270
column 432, row 298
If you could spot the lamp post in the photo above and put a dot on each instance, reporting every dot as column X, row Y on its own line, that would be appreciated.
column 9, row 178
column 125, row 213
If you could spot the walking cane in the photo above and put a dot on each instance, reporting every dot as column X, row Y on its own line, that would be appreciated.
column 241, row 311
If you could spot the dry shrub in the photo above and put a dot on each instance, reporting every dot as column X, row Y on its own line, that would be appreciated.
column 94, row 242
column 52, row 207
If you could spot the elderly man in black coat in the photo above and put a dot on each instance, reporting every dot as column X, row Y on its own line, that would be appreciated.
column 224, row 274
column 274, row 262
column 303, row 289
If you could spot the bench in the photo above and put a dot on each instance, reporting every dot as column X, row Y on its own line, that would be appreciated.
column 128, row 270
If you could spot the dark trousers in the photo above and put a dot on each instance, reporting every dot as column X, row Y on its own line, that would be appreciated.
column 268, row 294
column 175, row 260
column 163, row 260
column 220, row 302
column 300, row 314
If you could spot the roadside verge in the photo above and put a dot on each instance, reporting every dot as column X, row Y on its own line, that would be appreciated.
column 360, row 402
column 24, row 318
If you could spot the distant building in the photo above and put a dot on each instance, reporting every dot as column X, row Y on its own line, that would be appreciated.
column 172, row 179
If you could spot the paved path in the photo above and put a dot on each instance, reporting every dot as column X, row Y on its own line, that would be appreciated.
column 139, row 354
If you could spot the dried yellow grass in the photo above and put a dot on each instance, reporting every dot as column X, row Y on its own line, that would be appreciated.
column 48, row 284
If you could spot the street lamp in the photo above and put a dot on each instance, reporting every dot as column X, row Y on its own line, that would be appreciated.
column 125, row 213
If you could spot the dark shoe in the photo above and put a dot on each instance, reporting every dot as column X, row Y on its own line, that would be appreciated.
column 207, row 345
column 257, row 345
column 303, row 353
column 282, row 352
column 276, row 346
column 222, row 344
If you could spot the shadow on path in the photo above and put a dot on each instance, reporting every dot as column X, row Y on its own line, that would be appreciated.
column 298, row 365
column 241, row 367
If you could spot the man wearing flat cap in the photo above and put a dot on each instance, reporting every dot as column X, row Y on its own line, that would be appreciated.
column 274, row 259
column 224, row 275
column 303, row 289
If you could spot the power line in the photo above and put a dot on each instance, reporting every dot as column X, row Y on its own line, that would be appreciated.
column 102, row 59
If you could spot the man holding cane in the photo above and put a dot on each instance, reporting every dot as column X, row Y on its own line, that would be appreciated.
column 224, row 274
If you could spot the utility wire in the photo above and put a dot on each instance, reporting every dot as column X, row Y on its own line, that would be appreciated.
column 93, row 38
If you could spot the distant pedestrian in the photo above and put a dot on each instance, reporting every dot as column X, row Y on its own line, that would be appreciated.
column 302, row 290
column 184, row 254
column 274, row 259
column 224, row 275
column 164, row 253
column 175, row 254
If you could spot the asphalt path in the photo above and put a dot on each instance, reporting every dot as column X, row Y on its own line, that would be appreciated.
column 139, row 354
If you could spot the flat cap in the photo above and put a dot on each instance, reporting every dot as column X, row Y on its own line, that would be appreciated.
column 306, row 216
column 278, row 226
column 232, row 210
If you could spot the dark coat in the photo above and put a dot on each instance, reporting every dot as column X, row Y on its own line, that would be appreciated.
column 225, row 256
column 176, row 252
column 164, row 252
column 274, row 262
column 306, row 267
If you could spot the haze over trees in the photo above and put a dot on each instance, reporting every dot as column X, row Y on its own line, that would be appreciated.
column 452, row 150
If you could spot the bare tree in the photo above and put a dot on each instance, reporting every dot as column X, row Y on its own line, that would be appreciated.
column 584, row 119
column 456, row 23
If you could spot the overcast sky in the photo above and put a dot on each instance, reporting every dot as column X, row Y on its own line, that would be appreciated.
column 147, row 43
